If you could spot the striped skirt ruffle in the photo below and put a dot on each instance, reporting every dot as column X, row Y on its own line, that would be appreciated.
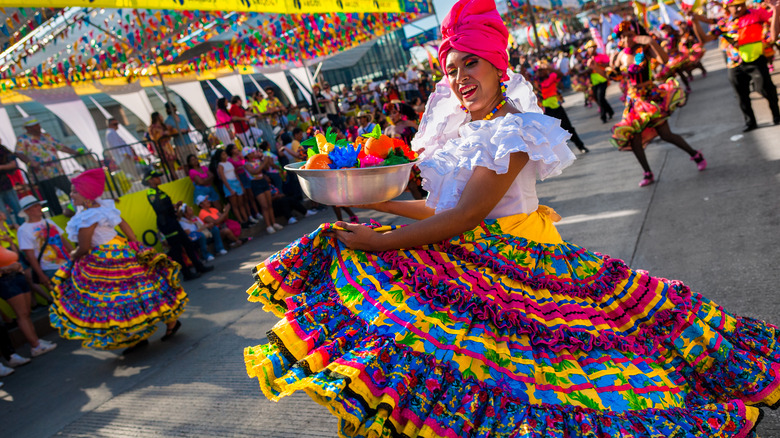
column 114, row 296
column 491, row 334
column 645, row 109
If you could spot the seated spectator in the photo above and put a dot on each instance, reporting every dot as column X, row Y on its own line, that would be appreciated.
column 285, row 206
column 228, row 228
column 16, row 291
column 199, row 232
column 9, row 354
column 9, row 240
column 41, row 242
column 365, row 119
column 273, row 171
column 203, row 180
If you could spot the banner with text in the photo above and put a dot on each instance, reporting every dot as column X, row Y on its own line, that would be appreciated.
column 268, row 6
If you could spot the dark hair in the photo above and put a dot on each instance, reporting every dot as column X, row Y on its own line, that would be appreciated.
column 402, row 108
column 111, row 120
column 156, row 116
column 214, row 164
column 230, row 149
column 170, row 108
column 297, row 130
column 222, row 104
column 286, row 138
column 187, row 161
column 264, row 145
column 235, row 99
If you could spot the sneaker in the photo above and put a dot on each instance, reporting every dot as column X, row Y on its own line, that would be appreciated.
column 270, row 230
column 258, row 216
column 647, row 180
column 210, row 258
column 17, row 361
column 4, row 370
column 253, row 220
column 43, row 347
column 701, row 163
column 311, row 213
column 278, row 227
column 222, row 252
column 292, row 221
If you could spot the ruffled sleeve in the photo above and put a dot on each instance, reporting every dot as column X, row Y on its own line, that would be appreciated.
column 107, row 215
column 489, row 144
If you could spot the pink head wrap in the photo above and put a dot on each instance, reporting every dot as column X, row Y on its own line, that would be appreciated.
column 90, row 184
column 474, row 26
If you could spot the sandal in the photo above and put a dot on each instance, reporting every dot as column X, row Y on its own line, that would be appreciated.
column 172, row 331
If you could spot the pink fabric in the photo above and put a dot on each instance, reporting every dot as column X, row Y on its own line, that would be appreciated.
column 202, row 173
column 474, row 26
column 90, row 184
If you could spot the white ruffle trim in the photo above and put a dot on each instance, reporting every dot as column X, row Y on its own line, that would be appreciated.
column 443, row 117
column 482, row 143
column 107, row 215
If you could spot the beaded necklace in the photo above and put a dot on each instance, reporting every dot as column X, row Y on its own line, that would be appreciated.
column 498, row 107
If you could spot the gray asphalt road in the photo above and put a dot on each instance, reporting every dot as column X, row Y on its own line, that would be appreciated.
column 716, row 230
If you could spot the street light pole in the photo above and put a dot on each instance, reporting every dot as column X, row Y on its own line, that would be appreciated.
column 533, row 25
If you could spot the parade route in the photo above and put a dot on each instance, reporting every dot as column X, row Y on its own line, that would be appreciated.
column 717, row 230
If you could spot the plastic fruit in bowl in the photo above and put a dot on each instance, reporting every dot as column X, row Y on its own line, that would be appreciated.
column 379, row 146
column 318, row 161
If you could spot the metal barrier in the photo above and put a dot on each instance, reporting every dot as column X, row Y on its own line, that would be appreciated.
column 51, row 179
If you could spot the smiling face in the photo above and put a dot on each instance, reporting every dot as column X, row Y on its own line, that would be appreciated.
column 394, row 115
column 475, row 82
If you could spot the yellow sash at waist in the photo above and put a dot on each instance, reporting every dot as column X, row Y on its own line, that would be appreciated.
column 117, row 240
column 538, row 226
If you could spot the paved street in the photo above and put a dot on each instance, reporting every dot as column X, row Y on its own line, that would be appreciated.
column 716, row 230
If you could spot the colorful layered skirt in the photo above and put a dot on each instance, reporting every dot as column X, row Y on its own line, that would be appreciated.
column 114, row 296
column 506, row 330
column 646, row 107
column 696, row 53
column 676, row 63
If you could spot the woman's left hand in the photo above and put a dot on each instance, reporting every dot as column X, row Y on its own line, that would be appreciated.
column 358, row 237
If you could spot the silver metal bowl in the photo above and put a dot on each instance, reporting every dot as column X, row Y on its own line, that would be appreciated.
column 352, row 186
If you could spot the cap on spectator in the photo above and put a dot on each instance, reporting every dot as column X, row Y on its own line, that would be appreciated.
column 324, row 120
column 28, row 201
column 277, row 130
column 201, row 199
column 247, row 150
column 30, row 121
column 183, row 208
column 365, row 114
column 151, row 173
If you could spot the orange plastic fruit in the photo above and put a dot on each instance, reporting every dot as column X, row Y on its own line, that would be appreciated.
column 318, row 161
column 379, row 147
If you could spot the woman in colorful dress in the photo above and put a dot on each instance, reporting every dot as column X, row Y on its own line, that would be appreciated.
column 693, row 47
column 677, row 59
column 114, row 291
column 649, row 105
column 486, row 323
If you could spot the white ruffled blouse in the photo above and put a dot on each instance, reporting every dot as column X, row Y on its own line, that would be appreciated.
column 107, row 216
column 488, row 143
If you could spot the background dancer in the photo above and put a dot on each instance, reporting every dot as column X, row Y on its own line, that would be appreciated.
column 648, row 106
column 113, row 292
column 741, row 33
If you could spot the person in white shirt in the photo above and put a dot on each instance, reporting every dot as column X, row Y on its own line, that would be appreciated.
column 42, row 242
column 413, row 90
column 124, row 156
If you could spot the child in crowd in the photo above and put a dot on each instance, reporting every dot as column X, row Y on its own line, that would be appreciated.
column 199, row 232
